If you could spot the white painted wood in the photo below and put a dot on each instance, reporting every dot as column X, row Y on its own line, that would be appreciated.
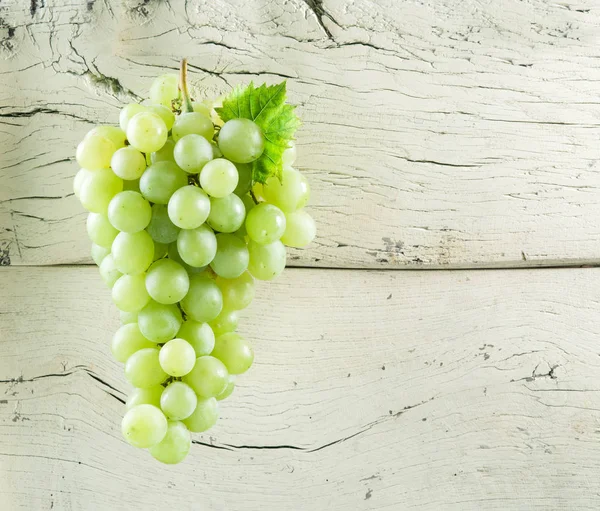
column 371, row 390
column 450, row 133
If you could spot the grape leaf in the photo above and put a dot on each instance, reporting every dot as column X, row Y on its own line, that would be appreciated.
column 265, row 106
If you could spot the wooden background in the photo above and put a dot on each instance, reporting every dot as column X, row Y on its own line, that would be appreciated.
column 458, row 135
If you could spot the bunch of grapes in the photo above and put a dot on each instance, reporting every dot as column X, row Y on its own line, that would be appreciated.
column 180, row 230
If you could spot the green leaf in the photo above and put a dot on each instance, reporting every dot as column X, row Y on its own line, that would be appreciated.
column 265, row 106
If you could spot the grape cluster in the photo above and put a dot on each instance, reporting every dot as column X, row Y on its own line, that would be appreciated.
column 180, row 231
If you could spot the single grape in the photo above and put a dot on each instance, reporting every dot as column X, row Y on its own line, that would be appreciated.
column 208, row 378
column 164, row 89
column 133, row 252
column 127, row 340
column 173, row 254
column 265, row 223
column 129, row 212
column 227, row 213
column 128, row 317
column 115, row 134
column 258, row 191
column 266, row 261
column 100, row 231
column 177, row 357
column 129, row 293
column 197, row 247
column 160, row 250
column 199, row 335
column 289, row 194
column 143, row 370
column 166, row 114
column 98, row 189
column 231, row 259
column 178, row 400
column 228, row 390
column 289, row 155
column 237, row 293
column 219, row 177
column 234, row 351
column 167, row 281
column 165, row 153
column 149, row 396
column 144, row 426
column 99, row 253
column 128, row 112
column 94, row 152
column 192, row 123
column 108, row 271
column 128, row 163
column 204, row 300
column 80, row 177
column 244, row 179
column 192, row 153
column 159, row 323
column 161, row 228
column 201, row 108
column 161, row 180
column 241, row 140
column 226, row 321
column 147, row 132
column 300, row 229
column 189, row 207
column 205, row 415
column 175, row 446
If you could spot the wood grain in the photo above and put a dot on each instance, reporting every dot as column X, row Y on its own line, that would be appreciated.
column 436, row 134
column 371, row 390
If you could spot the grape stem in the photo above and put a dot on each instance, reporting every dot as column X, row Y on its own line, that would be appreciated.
column 253, row 196
column 183, row 87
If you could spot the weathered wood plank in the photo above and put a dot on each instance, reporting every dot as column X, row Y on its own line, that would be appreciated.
column 371, row 390
column 435, row 134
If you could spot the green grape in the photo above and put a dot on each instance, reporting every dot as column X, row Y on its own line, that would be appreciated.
column 128, row 112
column 144, row 426
column 99, row 253
column 129, row 293
column 166, row 114
column 161, row 180
column 216, row 151
column 192, row 123
column 177, row 357
column 192, row 152
column 219, row 177
column 258, row 191
column 167, row 281
column 165, row 153
column 226, row 213
column 80, row 177
column 226, row 321
column 128, row 317
column 234, row 351
column 100, row 231
column 147, row 132
column 178, row 401
column 189, row 207
column 128, row 163
column 265, row 223
column 127, row 340
column 205, row 415
column 129, row 212
column 244, row 179
column 208, row 378
column 133, row 252
column 160, row 250
column 175, row 446
column 173, row 254
column 108, row 271
column 237, row 293
column 94, row 152
column 197, row 247
column 115, row 134
column 289, row 194
column 161, row 228
column 159, row 323
column 266, row 261
column 201, row 108
column 300, row 229
column 241, row 140
column 143, row 370
column 132, row 186
column 149, row 396
column 231, row 259
column 228, row 390
column 199, row 335
column 204, row 300
column 289, row 155
column 164, row 89
column 249, row 204
column 98, row 189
